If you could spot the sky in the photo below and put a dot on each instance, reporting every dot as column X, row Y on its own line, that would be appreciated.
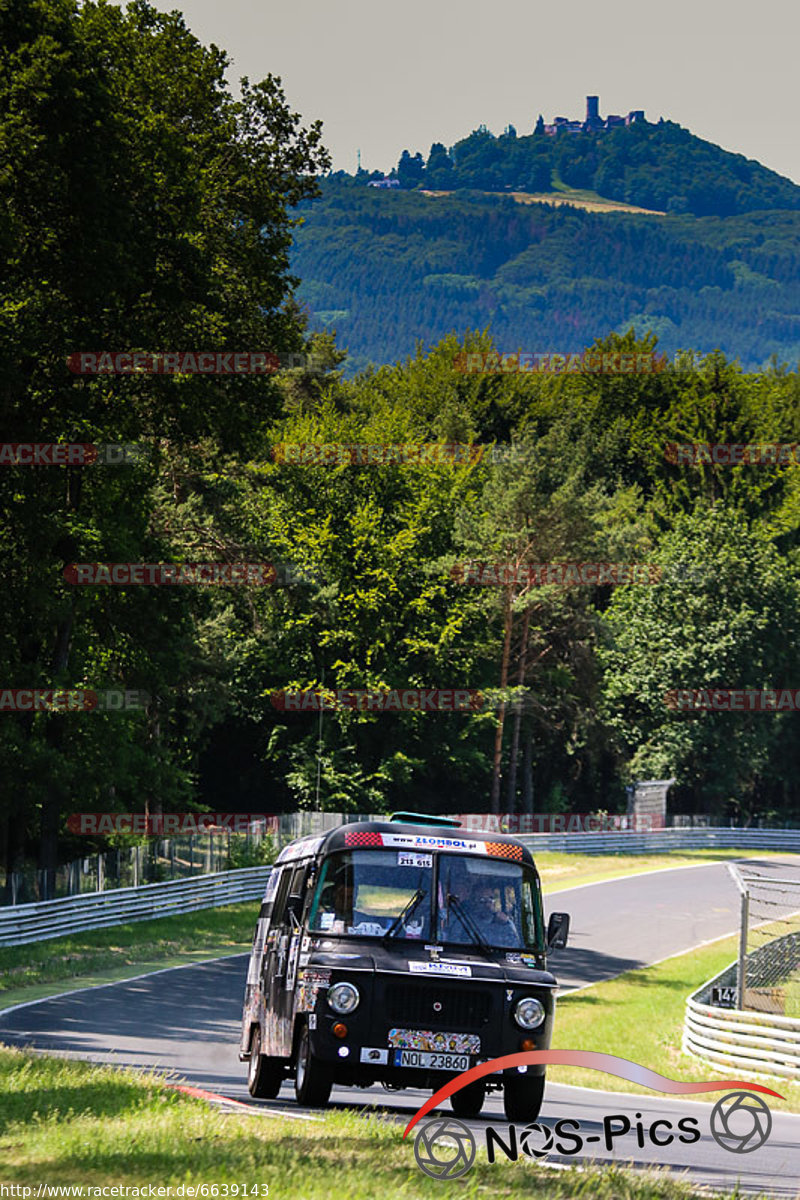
column 385, row 77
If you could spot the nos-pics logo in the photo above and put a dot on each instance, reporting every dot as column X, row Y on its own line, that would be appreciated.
column 445, row 1148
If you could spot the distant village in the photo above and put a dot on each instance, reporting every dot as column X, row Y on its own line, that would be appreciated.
column 592, row 123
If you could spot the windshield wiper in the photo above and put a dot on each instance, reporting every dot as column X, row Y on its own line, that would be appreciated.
column 470, row 926
column 410, row 908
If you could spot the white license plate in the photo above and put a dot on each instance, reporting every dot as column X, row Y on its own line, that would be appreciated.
column 432, row 1060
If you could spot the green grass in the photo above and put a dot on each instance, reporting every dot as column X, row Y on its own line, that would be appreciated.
column 109, row 955
column 72, row 1123
column 639, row 1016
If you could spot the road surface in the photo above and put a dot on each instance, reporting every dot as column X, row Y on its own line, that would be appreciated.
column 185, row 1021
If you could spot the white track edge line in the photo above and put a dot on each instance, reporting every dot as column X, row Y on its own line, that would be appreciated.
column 91, row 987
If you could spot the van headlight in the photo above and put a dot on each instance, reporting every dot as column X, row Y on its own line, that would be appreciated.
column 343, row 998
column 529, row 1012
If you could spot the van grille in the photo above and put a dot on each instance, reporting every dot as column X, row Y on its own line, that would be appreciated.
column 464, row 1008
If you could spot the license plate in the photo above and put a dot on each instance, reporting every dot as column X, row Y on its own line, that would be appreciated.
column 431, row 1060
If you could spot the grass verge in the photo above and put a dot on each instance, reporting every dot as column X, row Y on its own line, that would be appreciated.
column 71, row 1123
column 639, row 1016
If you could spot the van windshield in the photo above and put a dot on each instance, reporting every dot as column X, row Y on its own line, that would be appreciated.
column 478, row 900
column 373, row 893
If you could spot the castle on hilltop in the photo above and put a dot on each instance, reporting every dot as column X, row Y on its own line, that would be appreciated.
column 593, row 122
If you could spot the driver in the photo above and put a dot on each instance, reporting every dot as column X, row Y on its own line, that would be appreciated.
column 349, row 919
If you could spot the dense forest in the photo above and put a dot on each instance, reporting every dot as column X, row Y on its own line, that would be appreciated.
column 167, row 225
column 595, row 484
column 389, row 269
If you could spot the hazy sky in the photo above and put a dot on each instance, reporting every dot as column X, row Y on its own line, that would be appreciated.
column 388, row 76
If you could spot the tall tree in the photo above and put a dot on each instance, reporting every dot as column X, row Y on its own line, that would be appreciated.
column 143, row 208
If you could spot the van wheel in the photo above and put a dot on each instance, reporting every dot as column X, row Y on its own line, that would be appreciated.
column 264, row 1075
column 522, row 1097
column 313, row 1079
column 469, row 1101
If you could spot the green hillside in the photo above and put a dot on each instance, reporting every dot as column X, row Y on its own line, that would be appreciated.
column 657, row 166
column 387, row 269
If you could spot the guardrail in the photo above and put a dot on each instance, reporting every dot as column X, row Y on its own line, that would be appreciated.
column 755, row 1043
column 161, row 859
column 25, row 923
column 633, row 842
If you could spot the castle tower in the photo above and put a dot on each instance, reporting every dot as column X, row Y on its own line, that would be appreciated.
column 592, row 109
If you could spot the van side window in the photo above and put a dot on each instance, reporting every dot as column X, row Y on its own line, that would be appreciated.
column 298, row 884
column 281, row 896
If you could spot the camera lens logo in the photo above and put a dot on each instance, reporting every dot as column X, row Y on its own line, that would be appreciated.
column 536, row 1140
column 740, row 1122
column 444, row 1148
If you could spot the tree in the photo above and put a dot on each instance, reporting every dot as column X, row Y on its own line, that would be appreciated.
column 439, row 168
column 725, row 616
column 146, row 209
column 410, row 170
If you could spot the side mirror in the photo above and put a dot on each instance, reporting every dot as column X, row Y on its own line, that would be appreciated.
column 557, row 931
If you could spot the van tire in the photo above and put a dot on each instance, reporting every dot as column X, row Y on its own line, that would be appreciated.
column 468, row 1102
column 264, row 1075
column 313, row 1078
column 522, row 1097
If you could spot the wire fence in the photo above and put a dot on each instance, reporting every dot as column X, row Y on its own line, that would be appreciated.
column 159, row 860
column 768, row 966
column 185, row 856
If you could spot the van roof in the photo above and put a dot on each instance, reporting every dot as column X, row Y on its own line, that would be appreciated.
column 402, row 834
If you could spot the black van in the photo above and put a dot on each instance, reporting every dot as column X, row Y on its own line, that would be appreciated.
column 400, row 952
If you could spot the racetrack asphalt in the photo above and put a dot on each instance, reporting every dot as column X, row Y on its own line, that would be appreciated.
column 185, row 1021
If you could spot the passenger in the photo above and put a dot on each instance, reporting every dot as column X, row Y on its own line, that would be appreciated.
column 477, row 901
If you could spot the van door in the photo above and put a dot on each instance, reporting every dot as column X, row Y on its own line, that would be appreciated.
column 280, row 966
column 274, row 960
column 253, row 992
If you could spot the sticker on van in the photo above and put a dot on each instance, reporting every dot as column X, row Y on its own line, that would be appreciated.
column 373, row 1054
column 438, row 968
column 407, row 858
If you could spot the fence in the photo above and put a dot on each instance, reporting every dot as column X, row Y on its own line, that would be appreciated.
column 186, row 856
column 37, row 921
column 748, row 1016
column 25, row 923
column 161, row 859
column 753, row 1043
column 154, row 862
column 768, row 966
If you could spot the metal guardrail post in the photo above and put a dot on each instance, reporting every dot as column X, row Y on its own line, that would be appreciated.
column 744, row 921
column 742, row 971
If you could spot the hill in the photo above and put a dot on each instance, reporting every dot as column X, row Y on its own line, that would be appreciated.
column 661, row 167
column 389, row 268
